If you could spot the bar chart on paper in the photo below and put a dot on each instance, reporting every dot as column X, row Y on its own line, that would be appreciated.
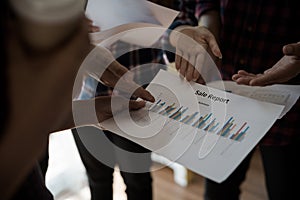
column 204, row 122
column 197, row 126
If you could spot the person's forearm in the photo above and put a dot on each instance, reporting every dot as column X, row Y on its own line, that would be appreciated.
column 212, row 21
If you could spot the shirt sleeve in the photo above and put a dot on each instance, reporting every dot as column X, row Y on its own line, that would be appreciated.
column 191, row 10
column 206, row 5
column 186, row 16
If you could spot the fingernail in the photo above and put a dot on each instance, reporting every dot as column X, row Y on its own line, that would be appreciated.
column 218, row 53
column 289, row 49
column 220, row 56
column 152, row 99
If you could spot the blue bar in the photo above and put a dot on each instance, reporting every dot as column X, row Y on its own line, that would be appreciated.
column 226, row 132
column 192, row 117
column 214, row 127
column 222, row 129
column 172, row 115
column 154, row 106
column 194, row 124
column 169, row 111
column 159, row 107
column 180, row 113
column 227, row 122
column 164, row 110
column 204, row 120
column 241, row 134
column 206, row 128
column 184, row 118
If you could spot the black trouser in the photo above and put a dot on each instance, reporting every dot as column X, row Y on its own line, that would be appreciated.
column 281, row 175
column 100, row 174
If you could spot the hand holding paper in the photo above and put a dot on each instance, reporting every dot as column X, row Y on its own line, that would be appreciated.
column 207, row 130
column 117, row 17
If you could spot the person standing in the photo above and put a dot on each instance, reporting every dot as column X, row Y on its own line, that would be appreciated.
column 100, row 170
column 37, row 78
column 250, row 35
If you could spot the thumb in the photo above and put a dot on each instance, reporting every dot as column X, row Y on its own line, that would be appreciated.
column 263, row 80
column 292, row 49
column 135, row 105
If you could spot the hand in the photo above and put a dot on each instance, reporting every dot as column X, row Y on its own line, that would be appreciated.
column 193, row 45
column 285, row 69
column 93, row 111
column 105, row 111
column 116, row 72
column 120, row 77
column 101, row 65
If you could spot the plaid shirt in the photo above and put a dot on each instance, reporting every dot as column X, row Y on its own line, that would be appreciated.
column 252, row 36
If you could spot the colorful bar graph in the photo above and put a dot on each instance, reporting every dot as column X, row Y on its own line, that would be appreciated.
column 179, row 114
column 168, row 110
column 239, row 133
column 201, row 122
column 210, row 125
column 187, row 119
column 214, row 127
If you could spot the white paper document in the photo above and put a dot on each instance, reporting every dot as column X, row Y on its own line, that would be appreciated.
column 207, row 130
column 281, row 94
column 117, row 17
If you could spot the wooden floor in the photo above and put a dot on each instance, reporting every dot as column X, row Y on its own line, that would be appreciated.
column 165, row 188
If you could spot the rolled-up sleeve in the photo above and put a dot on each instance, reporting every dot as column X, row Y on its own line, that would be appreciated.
column 203, row 6
column 191, row 10
column 187, row 9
